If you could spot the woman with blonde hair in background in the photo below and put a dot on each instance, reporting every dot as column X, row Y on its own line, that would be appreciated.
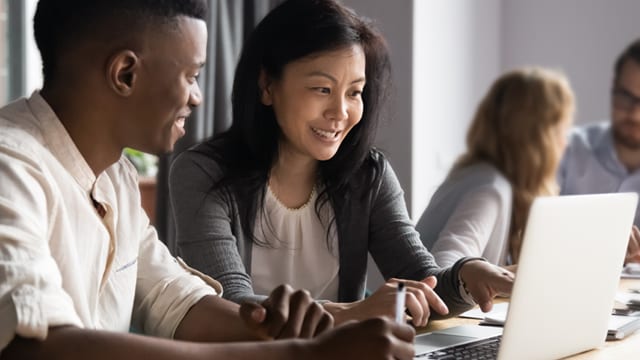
column 514, row 146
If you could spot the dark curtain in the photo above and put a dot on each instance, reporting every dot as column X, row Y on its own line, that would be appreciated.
column 229, row 22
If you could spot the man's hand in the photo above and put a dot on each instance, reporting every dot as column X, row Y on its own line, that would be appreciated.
column 419, row 299
column 484, row 281
column 286, row 314
column 633, row 249
column 375, row 338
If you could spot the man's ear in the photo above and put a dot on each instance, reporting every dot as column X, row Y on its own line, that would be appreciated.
column 122, row 71
column 265, row 88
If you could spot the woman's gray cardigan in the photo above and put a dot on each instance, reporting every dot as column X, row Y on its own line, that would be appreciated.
column 210, row 237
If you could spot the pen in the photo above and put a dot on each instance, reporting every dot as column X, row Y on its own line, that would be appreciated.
column 400, row 296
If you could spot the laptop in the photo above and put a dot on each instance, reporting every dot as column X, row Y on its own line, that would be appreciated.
column 572, row 253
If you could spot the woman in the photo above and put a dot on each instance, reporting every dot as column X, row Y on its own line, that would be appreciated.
column 294, row 192
column 514, row 146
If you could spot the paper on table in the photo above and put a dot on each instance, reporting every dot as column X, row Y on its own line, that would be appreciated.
column 631, row 271
column 499, row 311
column 628, row 298
column 619, row 326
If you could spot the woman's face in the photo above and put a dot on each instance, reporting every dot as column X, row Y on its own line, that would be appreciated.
column 317, row 101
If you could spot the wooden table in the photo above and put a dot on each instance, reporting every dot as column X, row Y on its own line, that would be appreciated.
column 627, row 348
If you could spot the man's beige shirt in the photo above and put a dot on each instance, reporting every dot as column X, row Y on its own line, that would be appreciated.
column 63, row 264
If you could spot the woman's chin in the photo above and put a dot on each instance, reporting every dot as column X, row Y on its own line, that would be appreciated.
column 326, row 156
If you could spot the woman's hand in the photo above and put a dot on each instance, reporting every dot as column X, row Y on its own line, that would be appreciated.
column 513, row 267
column 484, row 281
column 286, row 314
column 420, row 297
column 633, row 249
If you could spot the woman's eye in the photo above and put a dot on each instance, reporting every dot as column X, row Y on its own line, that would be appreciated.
column 356, row 93
column 323, row 90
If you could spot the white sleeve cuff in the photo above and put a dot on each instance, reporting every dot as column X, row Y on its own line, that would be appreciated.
column 29, row 313
column 464, row 293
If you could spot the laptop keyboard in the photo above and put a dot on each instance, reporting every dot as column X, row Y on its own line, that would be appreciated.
column 484, row 349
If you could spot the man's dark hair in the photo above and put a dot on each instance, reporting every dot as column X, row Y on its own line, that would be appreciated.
column 632, row 52
column 61, row 24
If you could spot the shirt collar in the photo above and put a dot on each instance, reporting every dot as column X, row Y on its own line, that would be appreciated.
column 603, row 146
column 59, row 142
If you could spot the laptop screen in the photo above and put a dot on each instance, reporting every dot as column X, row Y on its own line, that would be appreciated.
column 572, row 253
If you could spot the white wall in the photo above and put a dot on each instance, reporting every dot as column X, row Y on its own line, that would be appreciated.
column 456, row 55
column 582, row 37
column 393, row 18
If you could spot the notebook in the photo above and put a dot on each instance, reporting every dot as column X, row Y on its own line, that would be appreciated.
column 570, row 262
column 622, row 321
column 631, row 271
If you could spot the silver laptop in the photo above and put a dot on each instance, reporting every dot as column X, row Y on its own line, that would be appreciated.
column 567, row 278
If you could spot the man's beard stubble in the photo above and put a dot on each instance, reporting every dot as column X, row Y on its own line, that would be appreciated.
column 624, row 140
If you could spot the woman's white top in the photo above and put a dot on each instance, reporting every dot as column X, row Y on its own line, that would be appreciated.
column 298, row 253
column 469, row 215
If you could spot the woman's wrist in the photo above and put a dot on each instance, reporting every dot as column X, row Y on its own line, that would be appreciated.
column 462, row 281
column 341, row 312
column 464, row 292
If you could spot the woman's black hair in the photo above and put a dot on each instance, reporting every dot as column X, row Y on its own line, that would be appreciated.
column 246, row 152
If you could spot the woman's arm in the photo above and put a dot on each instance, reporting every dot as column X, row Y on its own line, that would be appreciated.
column 481, row 215
column 420, row 298
column 394, row 242
column 204, row 225
column 398, row 251
column 390, row 237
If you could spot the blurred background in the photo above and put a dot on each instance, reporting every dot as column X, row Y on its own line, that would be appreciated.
column 445, row 54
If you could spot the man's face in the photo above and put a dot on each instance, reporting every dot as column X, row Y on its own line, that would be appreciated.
column 625, row 106
column 166, row 87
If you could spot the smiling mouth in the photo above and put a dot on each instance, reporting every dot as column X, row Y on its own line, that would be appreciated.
column 326, row 134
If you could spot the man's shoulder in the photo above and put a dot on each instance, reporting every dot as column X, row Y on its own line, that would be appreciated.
column 123, row 173
column 589, row 134
column 591, row 129
column 18, row 130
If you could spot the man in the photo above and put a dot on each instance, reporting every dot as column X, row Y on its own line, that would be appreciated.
column 79, row 263
column 605, row 157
